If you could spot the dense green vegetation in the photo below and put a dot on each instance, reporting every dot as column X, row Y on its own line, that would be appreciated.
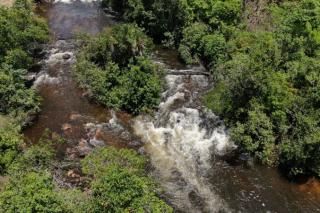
column 268, row 89
column 21, row 34
column 32, row 192
column 115, row 69
column 120, row 183
column 266, row 76
column 10, row 145
column 165, row 20
column 117, row 181
column 31, row 186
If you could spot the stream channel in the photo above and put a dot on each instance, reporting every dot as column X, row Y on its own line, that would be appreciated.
column 185, row 142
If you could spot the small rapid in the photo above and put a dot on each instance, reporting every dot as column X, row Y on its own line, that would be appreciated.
column 182, row 142
column 65, row 108
column 186, row 143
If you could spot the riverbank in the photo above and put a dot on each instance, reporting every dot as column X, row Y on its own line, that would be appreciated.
column 183, row 140
column 52, row 170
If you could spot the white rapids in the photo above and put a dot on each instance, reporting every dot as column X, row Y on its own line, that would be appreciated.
column 44, row 78
column 182, row 142
column 55, row 57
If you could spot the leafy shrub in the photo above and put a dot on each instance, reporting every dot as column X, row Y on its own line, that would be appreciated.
column 18, row 59
column 10, row 146
column 36, row 158
column 164, row 20
column 267, row 90
column 190, row 46
column 97, row 162
column 74, row 201
column 15, row 98
column 119, row 45
column 255, row 135
column 30, row 192
column 21, row 35
column 20, row 29
column 160, row 18
column 120, row 183
column 120, row 190
column 115, row 70
column 214, row 49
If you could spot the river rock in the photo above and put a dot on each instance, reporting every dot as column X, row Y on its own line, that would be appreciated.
column 73, row 174
column 31, row 76
column 83, row 143
column 247, row 160
column 98, row 134
column 250, row 163
column 125, row 135
column 54, row 50
column 72, row 153
column 84, row 151
column 142, row 151
column 135, row 143
column 66, row 127
column 70, row 173
column 66, row 56
column 90, row 127
column 75, row 116
column 83, row 148
column 96, row 143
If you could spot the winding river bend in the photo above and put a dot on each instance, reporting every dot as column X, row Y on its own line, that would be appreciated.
column 185, row 142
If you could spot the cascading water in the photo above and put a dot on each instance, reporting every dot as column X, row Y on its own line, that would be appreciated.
column 182, row 141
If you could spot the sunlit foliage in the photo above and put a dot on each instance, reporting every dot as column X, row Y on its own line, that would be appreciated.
column 115, row 69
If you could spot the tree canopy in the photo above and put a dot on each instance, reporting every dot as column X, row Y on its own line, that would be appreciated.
column 115, row 69
column 265, row 77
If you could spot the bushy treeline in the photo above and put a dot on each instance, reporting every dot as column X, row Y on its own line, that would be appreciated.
column 120, row 183
column 115, row 69
column 112, row 180
column 21, row 35
column 31, row 175
column 266, row 80
column 268, row 88
column 116, row 182
column 165, row 20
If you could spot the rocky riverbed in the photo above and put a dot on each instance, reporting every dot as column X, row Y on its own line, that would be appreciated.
column 186, row 143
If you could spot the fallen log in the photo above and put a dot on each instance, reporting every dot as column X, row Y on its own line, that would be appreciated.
column 187, row 72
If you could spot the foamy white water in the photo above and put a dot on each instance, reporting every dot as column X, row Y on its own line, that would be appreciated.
column 182, row 142
column 57, row 57
column 45, row 79
column 72, row 1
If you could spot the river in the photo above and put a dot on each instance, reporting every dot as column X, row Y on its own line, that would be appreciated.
column 185, row 142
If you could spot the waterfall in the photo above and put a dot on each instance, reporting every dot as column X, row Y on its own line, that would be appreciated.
column 182, row 141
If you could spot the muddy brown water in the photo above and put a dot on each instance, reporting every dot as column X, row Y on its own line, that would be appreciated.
column 66, row 111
